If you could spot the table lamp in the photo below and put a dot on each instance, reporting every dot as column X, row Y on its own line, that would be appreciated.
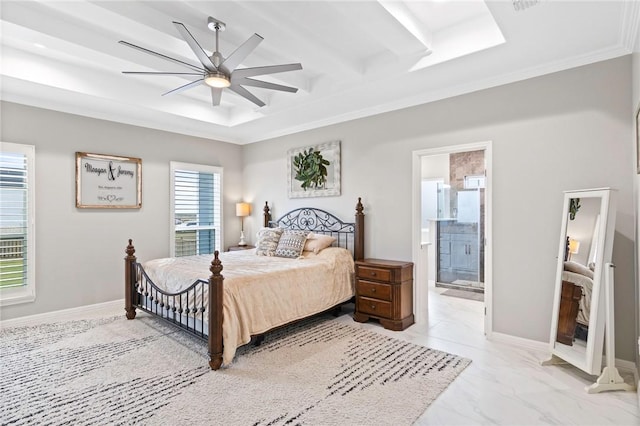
column 242, row 210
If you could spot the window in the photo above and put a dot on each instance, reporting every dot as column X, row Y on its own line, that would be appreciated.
column 196, row 209
column 17, row 224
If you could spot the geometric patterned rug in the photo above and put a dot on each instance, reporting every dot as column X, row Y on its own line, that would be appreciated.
column 114, row 371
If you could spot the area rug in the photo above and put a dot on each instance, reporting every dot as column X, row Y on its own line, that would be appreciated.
column 463, row 294
column 114, row 371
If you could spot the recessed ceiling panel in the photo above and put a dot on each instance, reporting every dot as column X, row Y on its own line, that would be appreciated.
column 358, row 58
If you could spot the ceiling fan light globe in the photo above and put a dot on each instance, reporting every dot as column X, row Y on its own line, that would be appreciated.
column 217, row 80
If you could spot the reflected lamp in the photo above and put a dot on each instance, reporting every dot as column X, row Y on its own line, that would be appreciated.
column 574, row 247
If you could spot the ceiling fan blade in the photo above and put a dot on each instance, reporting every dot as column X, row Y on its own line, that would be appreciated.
column 238, row 55
column 265, row 85
column 160, row 55
column 185, row 87
column 193, row 44
column 271, row 69
column 246, row 94
column 216, row 95
column 161, row 73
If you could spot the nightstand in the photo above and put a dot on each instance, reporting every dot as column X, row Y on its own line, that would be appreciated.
column 236, row 248
column 384, row 290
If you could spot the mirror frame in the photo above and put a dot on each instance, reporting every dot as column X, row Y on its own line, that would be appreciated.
column 591, row 361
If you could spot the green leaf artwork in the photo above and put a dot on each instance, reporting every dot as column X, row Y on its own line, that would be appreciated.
column 311, row 169
column 574, row 206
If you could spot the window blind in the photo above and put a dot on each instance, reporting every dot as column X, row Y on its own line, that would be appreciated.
column 14, row 219
column 196, row 196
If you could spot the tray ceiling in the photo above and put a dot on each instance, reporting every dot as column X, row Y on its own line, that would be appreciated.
column 359, row 58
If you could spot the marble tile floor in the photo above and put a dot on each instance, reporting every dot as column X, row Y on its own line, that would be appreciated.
column 506, row 385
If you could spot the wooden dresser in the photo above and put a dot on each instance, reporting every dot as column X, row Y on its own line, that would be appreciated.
column 384, row 290
column 569, row 307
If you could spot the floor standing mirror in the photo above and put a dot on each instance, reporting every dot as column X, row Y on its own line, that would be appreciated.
column 583, row 298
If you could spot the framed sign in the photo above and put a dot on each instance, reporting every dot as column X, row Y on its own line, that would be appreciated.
column 314, row 171
column 107, row 181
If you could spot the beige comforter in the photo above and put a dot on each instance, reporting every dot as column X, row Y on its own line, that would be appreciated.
column 262, row 292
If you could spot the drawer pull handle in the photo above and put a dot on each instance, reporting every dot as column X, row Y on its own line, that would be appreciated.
column 373, row 307
column 373, row 290
column 373, row 274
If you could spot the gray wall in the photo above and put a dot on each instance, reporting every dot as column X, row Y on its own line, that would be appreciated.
column 568, row 130
column 79, row 253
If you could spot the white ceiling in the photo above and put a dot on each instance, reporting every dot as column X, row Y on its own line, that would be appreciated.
column 359, row 58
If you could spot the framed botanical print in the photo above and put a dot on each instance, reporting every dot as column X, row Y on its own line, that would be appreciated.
column 314, row 171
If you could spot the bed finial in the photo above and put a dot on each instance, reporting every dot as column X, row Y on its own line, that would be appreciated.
column 267, row 215
column 359, row 207
column 216, row 265
column 130, row 249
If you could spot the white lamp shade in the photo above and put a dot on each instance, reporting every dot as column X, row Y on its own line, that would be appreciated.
column 243, row 209
column 574, row 246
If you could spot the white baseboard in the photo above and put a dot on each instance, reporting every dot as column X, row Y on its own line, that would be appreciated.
column 519, row 341
column 81, row 312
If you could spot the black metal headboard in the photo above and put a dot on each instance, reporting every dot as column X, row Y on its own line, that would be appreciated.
column 319, row 222
column 322, row 222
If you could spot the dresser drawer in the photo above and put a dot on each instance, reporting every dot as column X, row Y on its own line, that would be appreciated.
column 375, row 290
column 374, row 307
column 377, row 274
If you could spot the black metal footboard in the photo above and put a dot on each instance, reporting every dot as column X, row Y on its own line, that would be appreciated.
column 185, row 309
column 197, row 309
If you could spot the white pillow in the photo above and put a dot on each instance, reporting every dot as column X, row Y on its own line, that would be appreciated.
column 317, row 242
column 578, row 269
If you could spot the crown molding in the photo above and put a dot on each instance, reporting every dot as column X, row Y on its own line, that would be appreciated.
column 630, row 29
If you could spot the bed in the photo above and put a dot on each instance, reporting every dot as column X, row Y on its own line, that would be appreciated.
column 257, row 293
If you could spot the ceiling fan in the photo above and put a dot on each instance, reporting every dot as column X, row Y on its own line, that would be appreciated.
column 217, row 71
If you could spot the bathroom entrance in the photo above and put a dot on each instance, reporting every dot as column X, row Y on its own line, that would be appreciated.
column 456, row 230
column 452, row 228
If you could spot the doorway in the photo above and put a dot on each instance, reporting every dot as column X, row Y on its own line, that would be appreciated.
column 452, row 225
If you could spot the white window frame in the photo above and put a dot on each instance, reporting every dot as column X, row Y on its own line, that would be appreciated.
column 175, row 165
column 26, row 293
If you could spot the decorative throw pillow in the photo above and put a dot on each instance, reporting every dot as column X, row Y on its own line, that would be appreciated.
column 317, row 242
column 291, row 243
column 267, row 241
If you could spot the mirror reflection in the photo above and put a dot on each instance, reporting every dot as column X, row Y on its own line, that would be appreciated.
column 578, row 268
